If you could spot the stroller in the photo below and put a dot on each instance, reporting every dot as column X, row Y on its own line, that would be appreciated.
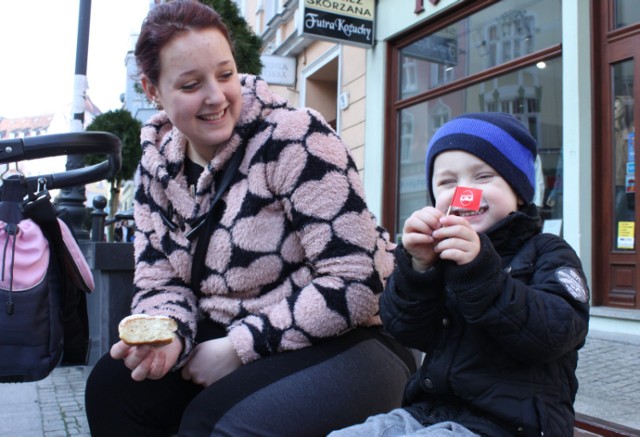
column 43, row 274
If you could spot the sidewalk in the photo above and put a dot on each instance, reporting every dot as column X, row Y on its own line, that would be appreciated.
column 52, row 407
column 609, row 377
column 608, row 370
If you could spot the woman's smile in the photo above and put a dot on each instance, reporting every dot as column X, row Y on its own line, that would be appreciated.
column 213, row 117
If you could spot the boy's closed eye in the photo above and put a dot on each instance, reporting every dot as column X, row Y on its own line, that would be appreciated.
column 446, row 183
column 484, row 177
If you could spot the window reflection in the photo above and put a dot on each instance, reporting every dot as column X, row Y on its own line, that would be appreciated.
column 499, row 33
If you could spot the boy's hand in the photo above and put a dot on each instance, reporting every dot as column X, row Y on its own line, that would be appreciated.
column 457, row 241
column 418, row 239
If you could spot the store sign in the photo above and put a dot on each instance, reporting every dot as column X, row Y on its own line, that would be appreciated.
column 343, row 21
column 278, row 70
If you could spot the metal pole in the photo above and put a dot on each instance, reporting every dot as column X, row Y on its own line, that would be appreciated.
column 72, row 199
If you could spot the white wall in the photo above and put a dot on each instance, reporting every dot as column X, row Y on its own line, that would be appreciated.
column 576, row 124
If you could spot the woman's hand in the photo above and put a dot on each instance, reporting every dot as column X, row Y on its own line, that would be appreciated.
column 210, row 361
column 418, row 239
column 148, row 361
column 458, row 241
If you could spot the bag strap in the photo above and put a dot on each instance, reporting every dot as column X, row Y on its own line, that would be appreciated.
column 38, row 207
column 204, row 224
column 14, row 189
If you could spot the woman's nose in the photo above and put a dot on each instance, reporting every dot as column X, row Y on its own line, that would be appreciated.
column 214, row 94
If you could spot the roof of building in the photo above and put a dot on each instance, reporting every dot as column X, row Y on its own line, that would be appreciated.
column 24, row 124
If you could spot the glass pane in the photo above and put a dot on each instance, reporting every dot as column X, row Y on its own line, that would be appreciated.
column 627, row 12
column 624, row 182
column 533, row 94
column 499, row 33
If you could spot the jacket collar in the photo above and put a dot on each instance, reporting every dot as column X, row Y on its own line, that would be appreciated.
column 511, row 233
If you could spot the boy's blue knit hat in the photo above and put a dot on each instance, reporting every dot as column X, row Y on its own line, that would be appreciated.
column 497, row 138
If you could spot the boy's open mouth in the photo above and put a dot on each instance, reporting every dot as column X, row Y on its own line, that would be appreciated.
column 468, row 212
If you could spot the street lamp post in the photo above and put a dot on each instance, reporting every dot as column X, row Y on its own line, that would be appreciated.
column 72, row 199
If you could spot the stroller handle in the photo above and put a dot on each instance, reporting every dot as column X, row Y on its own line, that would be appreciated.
column 74, row 143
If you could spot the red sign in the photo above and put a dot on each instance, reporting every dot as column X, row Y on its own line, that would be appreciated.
column 467, row 198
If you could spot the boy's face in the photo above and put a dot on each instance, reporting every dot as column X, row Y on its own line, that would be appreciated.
column 455, row 167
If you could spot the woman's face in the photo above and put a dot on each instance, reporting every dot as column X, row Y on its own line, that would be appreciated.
column 199, row 88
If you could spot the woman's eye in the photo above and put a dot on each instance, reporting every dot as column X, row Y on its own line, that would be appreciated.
column 189, row 86
column 226, row 75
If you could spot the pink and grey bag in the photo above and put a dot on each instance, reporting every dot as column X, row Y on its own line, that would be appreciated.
column 44, row 277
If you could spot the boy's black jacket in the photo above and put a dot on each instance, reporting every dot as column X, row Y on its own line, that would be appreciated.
column 500, row 334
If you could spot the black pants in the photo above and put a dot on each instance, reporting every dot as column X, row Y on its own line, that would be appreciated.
column 309, row 392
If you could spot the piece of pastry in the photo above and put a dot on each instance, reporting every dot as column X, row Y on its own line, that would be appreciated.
column 139, row 329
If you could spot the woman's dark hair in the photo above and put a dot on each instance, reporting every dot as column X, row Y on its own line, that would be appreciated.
column 163, row 23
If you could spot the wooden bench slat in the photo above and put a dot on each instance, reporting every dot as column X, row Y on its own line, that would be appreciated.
column 588, row 426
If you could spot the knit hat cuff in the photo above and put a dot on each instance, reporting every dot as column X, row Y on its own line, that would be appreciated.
column 520, row 156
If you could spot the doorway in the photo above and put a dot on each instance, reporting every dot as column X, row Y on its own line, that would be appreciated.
column 321, row 84
column 616, row 254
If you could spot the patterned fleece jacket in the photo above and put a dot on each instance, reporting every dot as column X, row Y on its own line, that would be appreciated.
column 295, row 257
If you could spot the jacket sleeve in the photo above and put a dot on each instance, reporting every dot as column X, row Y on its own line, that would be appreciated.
column 312, row 175
column 412, row 304
column 158, row 289
column 537, row 308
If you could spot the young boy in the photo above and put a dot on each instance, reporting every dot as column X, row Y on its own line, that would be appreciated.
column 499, row 309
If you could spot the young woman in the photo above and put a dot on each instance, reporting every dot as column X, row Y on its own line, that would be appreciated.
column 282, row 335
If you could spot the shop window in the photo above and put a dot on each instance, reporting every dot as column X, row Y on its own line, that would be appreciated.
column 545, row 126
column 627, row 13
column 623, row 172
column 460, row 68
column 500, row 33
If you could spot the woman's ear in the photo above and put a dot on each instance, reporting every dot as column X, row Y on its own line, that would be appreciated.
column 149, row 89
